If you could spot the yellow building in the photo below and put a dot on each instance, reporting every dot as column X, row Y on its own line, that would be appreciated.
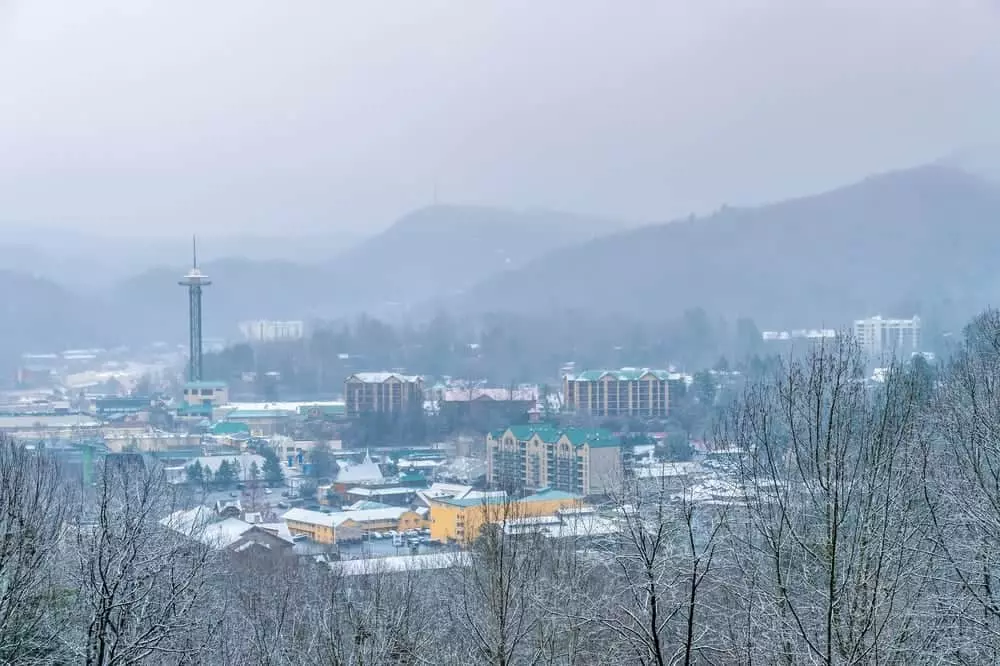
column 350, row 525
column 574, row 460
column 382, row 392
column 626, row 392
column 460, row 520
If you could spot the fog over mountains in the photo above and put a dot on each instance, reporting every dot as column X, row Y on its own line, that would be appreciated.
column 895, row 243
column 873, row 246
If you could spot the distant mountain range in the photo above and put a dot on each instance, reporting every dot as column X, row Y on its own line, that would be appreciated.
column 893, row 243
column 897, row 243
column 431, row 253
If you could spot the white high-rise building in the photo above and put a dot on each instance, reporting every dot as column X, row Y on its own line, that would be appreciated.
column 883, row 338
column 271, row 331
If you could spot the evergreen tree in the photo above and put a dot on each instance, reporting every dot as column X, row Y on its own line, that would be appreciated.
column 272, row 471
column 322, row 463
column 274, row 475
column 225, row 477
column 196, row 474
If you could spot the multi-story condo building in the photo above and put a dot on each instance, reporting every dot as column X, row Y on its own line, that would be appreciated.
column 574, row 460
column 272, row 331
column 625, row 392
column 883, row 338
column 382, row 392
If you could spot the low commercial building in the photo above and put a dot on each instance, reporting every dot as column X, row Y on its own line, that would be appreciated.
column 391, row 495
column 574, row 460
column 350, row 525
column 261, row 422
column 206, row 394
column 147, row 440
column 460, row 520
column 272, row 331
column 481, row 409
column 635, row 392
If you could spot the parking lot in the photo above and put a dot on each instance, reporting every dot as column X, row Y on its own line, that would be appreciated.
column 385, row 548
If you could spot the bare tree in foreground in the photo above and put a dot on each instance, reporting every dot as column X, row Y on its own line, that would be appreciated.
column 830, row 562
column 961, row 474
column 494, row 603
column 33, row 504
column 657, row 566
column 141, row 581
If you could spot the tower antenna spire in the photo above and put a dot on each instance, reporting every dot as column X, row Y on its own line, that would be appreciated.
column 195, row 281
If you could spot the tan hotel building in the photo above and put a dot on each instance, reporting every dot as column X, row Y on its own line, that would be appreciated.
column 382, row 392
column 574, row 460
column 625, row 392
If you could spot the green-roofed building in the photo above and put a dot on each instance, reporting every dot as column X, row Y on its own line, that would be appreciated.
column 582, row 461
column 224, row 428
column 636, row 392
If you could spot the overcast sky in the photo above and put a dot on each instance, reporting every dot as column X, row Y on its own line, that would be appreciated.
column 267, row 115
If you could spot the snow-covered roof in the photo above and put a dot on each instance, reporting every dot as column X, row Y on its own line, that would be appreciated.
column 400, row 563
column 224, row 533
column 494, row 394
column 280, row 530
column 311, row 517
column 199, row 524
column 380, row 377
column 365, row 471
column 337, row 518
column 446, row 490
column 361, row 491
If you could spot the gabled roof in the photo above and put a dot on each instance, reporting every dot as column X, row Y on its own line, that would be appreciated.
column 230, row 428
column 366, row 470
column 593, row 437
column 381, row 377
column 200, row 524
column 339, row 517
column 364, row 505
column 623, row 375
column 548, row 494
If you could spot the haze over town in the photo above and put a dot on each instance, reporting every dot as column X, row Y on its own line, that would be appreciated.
column 153, row 118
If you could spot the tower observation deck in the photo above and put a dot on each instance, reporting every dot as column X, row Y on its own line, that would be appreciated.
column 194, row 281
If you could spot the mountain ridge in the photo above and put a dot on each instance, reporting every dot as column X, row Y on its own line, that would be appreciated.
column 854, row 248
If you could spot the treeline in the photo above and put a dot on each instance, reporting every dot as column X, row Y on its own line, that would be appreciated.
column 503, row 349
column 858, row 524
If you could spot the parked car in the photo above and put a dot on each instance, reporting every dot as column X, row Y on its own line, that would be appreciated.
column 234, row 495
column 267, row 491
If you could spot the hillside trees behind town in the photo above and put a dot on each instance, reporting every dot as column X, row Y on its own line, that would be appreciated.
column 503, row 349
